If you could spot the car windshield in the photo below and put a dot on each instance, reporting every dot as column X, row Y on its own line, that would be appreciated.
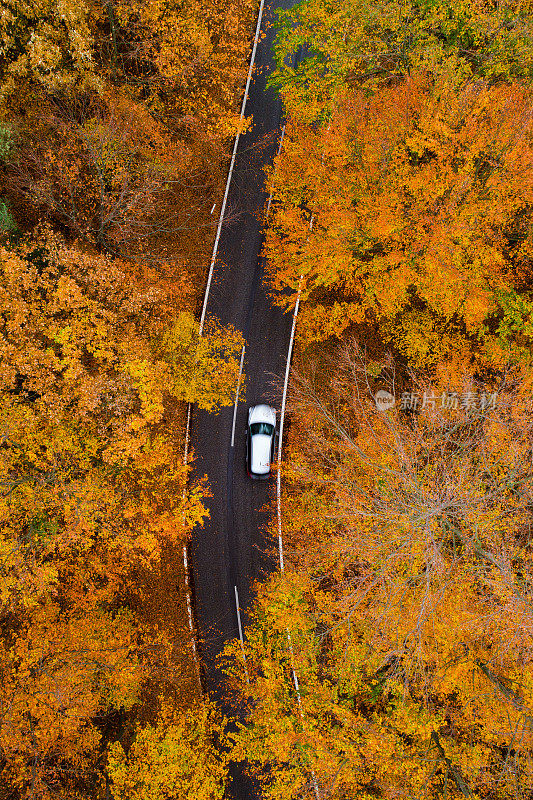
column 261, row 427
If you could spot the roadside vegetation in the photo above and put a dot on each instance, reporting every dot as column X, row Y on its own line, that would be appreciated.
column 402, row 213
column 114, row 124
column 403, row 216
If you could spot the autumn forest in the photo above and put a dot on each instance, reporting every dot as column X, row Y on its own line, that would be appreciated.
column 393, row 656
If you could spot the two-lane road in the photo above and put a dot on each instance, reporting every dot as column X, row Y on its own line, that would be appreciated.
column 230, row 549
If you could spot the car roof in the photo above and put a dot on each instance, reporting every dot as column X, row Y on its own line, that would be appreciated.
column 260, row 454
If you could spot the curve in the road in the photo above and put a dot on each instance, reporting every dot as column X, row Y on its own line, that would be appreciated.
column 232, row 550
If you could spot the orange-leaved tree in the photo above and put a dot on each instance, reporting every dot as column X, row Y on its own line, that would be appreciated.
column 421, row 199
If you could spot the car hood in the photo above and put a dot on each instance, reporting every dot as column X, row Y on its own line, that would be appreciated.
column 262, row 413
column 260, row 456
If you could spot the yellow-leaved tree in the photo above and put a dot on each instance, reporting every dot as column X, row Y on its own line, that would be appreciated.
column 182, row 755
column 91, row 489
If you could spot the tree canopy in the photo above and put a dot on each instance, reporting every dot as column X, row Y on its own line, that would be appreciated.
column 405, row 609
column 421, row 199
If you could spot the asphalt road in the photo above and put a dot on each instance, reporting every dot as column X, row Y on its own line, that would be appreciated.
column 230, row 549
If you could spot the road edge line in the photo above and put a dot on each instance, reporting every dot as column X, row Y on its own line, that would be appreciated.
column 230, row 171
column 237, row 604
column 281, row 425
column 188, row 593
column 239, row 379
column 278, row 492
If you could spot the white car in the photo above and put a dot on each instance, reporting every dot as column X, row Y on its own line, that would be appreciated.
column 260, row 440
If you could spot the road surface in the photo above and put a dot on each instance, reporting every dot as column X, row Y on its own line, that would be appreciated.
column 231, row 549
